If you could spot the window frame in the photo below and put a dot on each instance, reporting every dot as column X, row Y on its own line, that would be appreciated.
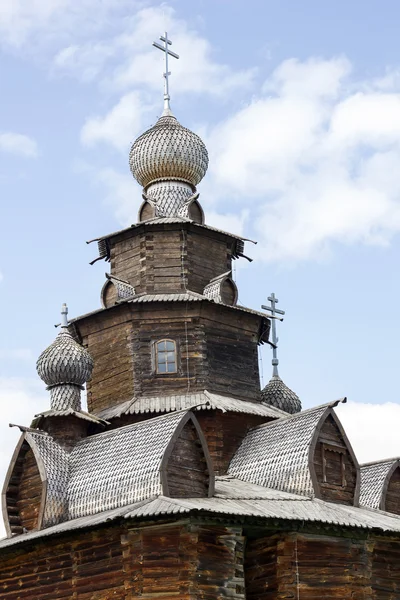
column 333, row 448
column 156, row 353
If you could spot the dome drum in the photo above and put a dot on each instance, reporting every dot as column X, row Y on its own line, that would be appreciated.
column 65, row 396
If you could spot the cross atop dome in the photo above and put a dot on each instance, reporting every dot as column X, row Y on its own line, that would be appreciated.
column 274, row 311
column 276, row 392
column 169, row 161
column 167, row 52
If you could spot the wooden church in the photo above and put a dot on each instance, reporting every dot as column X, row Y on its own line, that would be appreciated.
column 184, row 479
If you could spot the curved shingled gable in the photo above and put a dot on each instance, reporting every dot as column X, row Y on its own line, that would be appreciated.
column 280, row 454
column 375, row 479
column 52, row 465
column 128, row 464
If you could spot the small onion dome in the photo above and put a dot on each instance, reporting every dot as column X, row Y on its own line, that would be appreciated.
column 64, row 362
column 168, row 151
column 277, row 394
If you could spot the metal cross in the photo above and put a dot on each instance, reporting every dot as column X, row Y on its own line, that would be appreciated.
column 64, row 315
column 274, row 311
column 164, row 48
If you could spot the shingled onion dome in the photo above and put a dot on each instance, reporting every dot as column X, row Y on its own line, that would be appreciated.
column 64, row 367
column 169, row 161
column 276, row 393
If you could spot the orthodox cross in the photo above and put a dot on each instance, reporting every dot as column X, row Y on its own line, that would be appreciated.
column 164, row 48
column 274, row 311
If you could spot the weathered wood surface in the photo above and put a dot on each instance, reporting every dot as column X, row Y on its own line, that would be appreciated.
column 23, row 495
column 217, row 351
column 312, row 567
column 392, row 503
column 170, row 258
column 67, row 431
column 187, row 471
column 167, row 562
column 29, row 491
column 193, row 560
column 261, row 568
column 224, row 433
column 334, row 465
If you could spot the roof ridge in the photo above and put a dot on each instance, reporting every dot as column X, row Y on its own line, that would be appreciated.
column 132, row 425
column 290, row 417
column 380, row 462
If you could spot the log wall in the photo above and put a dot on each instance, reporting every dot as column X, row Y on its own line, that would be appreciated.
column 216, row 348
column 107, row 336
column 224, row 432
column 170, row 258
column 312, row 567
column 30, row 488
column 187, row 470
column 195, row 560
column 167, row 562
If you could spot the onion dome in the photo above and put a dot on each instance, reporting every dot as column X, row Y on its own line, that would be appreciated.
column 168, row 151
column 276, row 393
column 65, row 366
column 168, row 161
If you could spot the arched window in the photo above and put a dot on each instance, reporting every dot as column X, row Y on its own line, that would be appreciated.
column 166, row 356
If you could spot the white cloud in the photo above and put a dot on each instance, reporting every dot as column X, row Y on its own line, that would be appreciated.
column 135, row 62
column 372, row 429
column 120, row 125
column 316, row 162
column 233, row 222
column 20, row 400
column 195, row 71
column 314, row 156
column 18, row 144
column 51, row 22
column 85, row 61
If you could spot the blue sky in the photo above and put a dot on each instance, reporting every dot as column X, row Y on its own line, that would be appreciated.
column 299, row 105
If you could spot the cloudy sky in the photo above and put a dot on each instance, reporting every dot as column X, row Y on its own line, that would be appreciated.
column 299, row 105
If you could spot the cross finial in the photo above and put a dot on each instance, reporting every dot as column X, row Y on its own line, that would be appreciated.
column 274, row 311
column 64, row 315
column 164, row 48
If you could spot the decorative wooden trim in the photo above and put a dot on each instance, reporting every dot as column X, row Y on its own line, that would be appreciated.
column 335, row 448
column 311, row 452
column 43, row 477
column 155, row 352
column 189, row 416
column 25, row 437
column 106, row 284
column 196, row 201
column 7, row 482
column 317, row 489
column 396, row 465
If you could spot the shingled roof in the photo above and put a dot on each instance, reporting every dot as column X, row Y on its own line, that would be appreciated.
column 196, row 401
column 105, row 471
column 236, row 499
column 375, row 477
column 277, row 454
